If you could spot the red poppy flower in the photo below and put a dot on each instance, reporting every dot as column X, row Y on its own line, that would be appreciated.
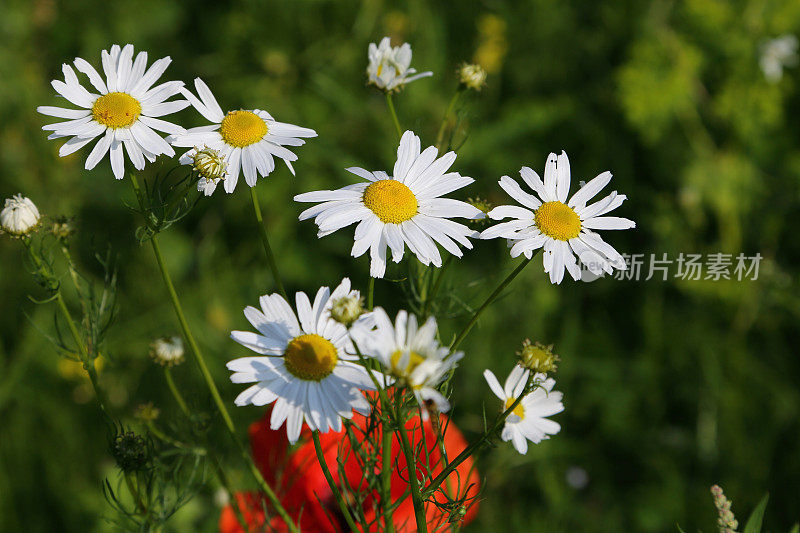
column 305, row 494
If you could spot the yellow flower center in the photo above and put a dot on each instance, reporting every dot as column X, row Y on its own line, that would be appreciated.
column 558, row 221
column 116, row 110
column 242, row 128
column 310, row 357
column 518, row 410
column 414, row 360
column 392, row 201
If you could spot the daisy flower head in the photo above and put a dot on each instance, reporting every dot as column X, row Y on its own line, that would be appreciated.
column 306, row 363
column 406, row 209
column 410, row 353
column 563, row 228
column 528, row 421
column 19, row 216
column 123, row 111
column 248, row 140
column 389, row 67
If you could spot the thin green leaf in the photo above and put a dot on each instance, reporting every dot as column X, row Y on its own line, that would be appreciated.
column 757, row 516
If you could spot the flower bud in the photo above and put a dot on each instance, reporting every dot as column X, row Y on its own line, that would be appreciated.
column 472, row 76
column 537, row 357
column 347, row 309
column 209, row 164
column 130, row 451
column 19, row 217
column 62, row 228
column 725, row 519
column 484, row 207
column 167, row 351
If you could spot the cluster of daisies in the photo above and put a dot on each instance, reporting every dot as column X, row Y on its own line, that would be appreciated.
column 310, row 366
column 123, row 109
column 310, row 360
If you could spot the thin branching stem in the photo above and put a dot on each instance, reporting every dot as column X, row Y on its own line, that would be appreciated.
column 503, row 284
column 413, row 482
column 88, row 362
column 446, row 118
column 175, row 392
column 478, row 444
column 331, row 483
column 386, row 469
column 215, row 462
column 209, row 380
column 436, row 285
column 135, row 493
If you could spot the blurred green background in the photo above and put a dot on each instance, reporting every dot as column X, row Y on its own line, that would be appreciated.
column 670, row 386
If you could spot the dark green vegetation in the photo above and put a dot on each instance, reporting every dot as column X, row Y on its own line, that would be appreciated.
column 670, row 386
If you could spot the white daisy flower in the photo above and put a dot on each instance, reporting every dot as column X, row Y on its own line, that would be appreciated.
column 305, row 367
column 411, row 354
column 528, row 421
column 777, row 54
column 395, row 211
column 123, row 112
column 563, row 228
column 389, row 67
column 19, row 216
column 248, row 140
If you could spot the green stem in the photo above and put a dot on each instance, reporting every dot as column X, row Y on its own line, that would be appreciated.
column 135, row 493
column 223, row 478
column 175, row 392
column 73, row 274
column 160, row 435
column 429, row 299
column 331, row 483
column 475, row 446
column 488, row 302
column 265, row 240
column 212, row 387
column 445, row 119
column 194, row 348
column 88, row 363
column 390, row 103
column 386, row 469
column 413, row 482
column 386, row 452
column 370, row 293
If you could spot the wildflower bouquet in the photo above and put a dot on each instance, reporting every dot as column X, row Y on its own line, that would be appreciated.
column 350, row 395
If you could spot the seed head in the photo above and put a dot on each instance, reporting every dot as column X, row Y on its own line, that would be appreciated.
column 537, row 357
column 130, row 451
